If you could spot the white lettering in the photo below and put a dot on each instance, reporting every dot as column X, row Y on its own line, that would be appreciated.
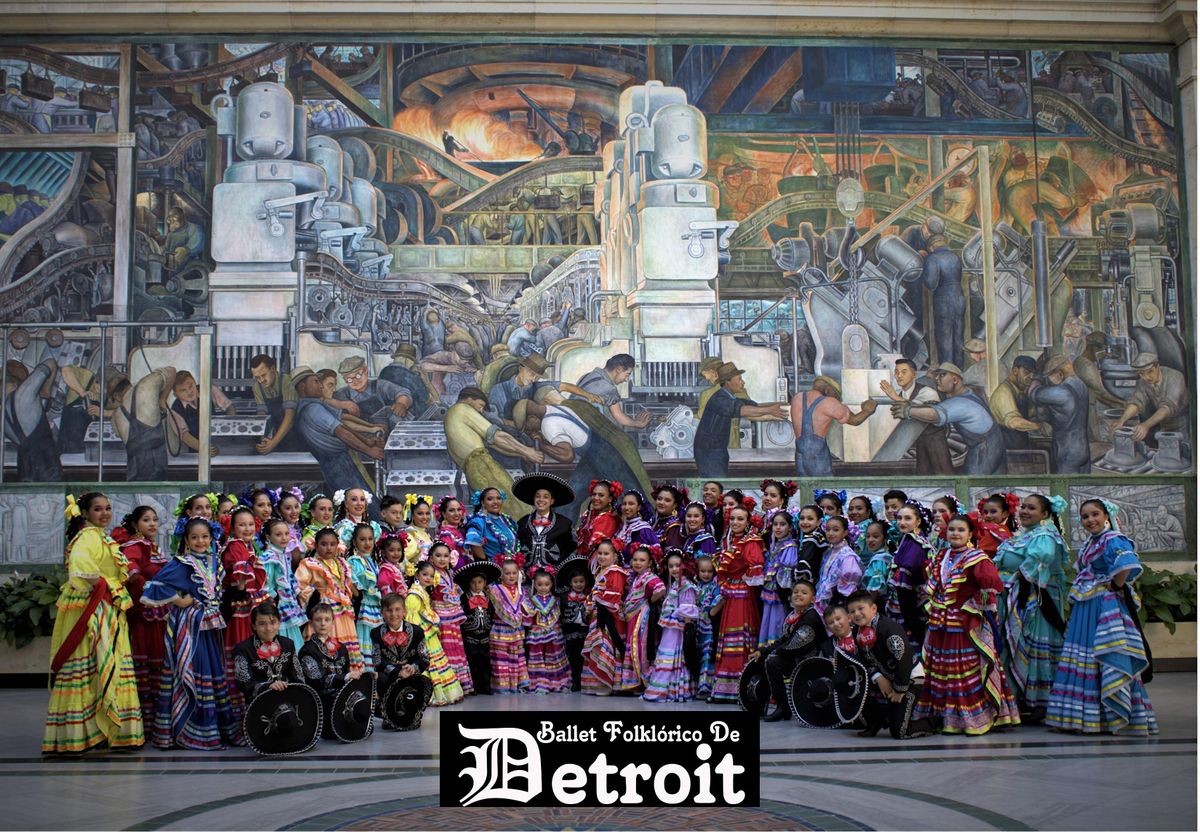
column 600, row 769
column 679, row 773
column 632, row 773
column 728, row 769
column 497, row 770
column 569, row 777
column 720, row 731
column 704, row 790
column 613, row 729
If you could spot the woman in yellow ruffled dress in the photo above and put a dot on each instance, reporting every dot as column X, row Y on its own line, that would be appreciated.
column 93, row 696
column 419, row 611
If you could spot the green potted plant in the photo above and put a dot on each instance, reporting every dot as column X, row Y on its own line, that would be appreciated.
column 27, row 612
column 1168, row 612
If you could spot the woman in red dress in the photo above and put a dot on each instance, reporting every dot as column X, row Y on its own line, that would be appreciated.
column 600, row 521
column 147, row 628
column 605, row 646
column 965, row 688
column 739, row 574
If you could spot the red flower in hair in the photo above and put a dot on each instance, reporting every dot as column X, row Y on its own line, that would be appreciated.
column 614, row 488
column 1013, row 501
column 749, row 503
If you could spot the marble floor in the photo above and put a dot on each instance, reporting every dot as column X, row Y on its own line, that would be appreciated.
column 1026, row 778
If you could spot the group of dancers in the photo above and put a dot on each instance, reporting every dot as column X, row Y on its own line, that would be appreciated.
column 278, row 618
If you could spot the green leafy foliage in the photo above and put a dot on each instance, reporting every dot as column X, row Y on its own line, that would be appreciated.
column 1167, row 597
column 28, row 606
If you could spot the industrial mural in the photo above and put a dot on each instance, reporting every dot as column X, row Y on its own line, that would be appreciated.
column 436, row 265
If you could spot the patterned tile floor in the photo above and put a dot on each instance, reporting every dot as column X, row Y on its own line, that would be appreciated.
column 1027, row 778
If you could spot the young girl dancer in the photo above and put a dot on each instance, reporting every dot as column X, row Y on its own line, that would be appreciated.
column 389, row 551
column 740, row 573
column 841, row 570
column 419, row 513
column 781, row 558
column 672, row 680
column 194, row 706
column 635, row 529
column 906, row 583
column 709, row 603
column 280, row 584
column 645, row 590
column 328, row 574
column 245, row 579
column 879, row 561
column 604, row 648
column 997, row 521
column 364, row 572
column 548, row 670
column 510, row 673
column 93, row 694
column 447, row 603
column 811, row 544
column 446, row 688
column 136, row 536
column 1098, row 686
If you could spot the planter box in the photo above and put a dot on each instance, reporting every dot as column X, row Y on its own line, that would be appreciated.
column 1182, row 645
column 33, row 658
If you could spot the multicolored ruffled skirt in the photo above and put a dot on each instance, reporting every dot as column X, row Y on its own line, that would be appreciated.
column 670, row 680
column 446, row 689
column 1098, row 685
column 450, row 633
column 548, row 668
column 600, row 663
column 194, row 706
column 510, row 673
column 736, row 640
column 94, row 699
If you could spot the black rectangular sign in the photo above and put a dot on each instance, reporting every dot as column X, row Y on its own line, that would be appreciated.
column 609, row 758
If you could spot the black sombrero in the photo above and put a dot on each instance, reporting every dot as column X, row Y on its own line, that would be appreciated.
column 489, row 570
column 280, row 723
column 825, row 694
column 525, row 487
column 569, row 568
column 754, row 692
column 351, row 709
column 405, row 702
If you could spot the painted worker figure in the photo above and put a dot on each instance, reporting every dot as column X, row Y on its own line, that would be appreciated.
column 142, row 422
column 813, row 413
column 26, row 425
column 964, row 410
column 373, row 400
column 711, row 445
column 603, row 381
column 275, row 396
column 932, row 446
column 1160, row 400
column 319, row 425
column 1064, row 399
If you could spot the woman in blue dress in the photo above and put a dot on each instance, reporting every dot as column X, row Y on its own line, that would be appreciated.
column 491, row 534
column 1098, row 686
column 1033, row 612
column 194, row 709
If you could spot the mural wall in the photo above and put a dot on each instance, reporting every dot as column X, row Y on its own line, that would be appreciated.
column 438, row 264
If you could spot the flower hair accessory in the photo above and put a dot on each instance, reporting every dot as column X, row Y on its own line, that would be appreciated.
column 477, row 495
column 877, row 506
column 1112, row 509
column 339, row 496
column 840, row 496
column 925, row 514
column 294, row 491
column 385, row 537
column 788, row 488
column 72, row 510
column 1058, row 504
column 614, row 488
column 440, row 507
